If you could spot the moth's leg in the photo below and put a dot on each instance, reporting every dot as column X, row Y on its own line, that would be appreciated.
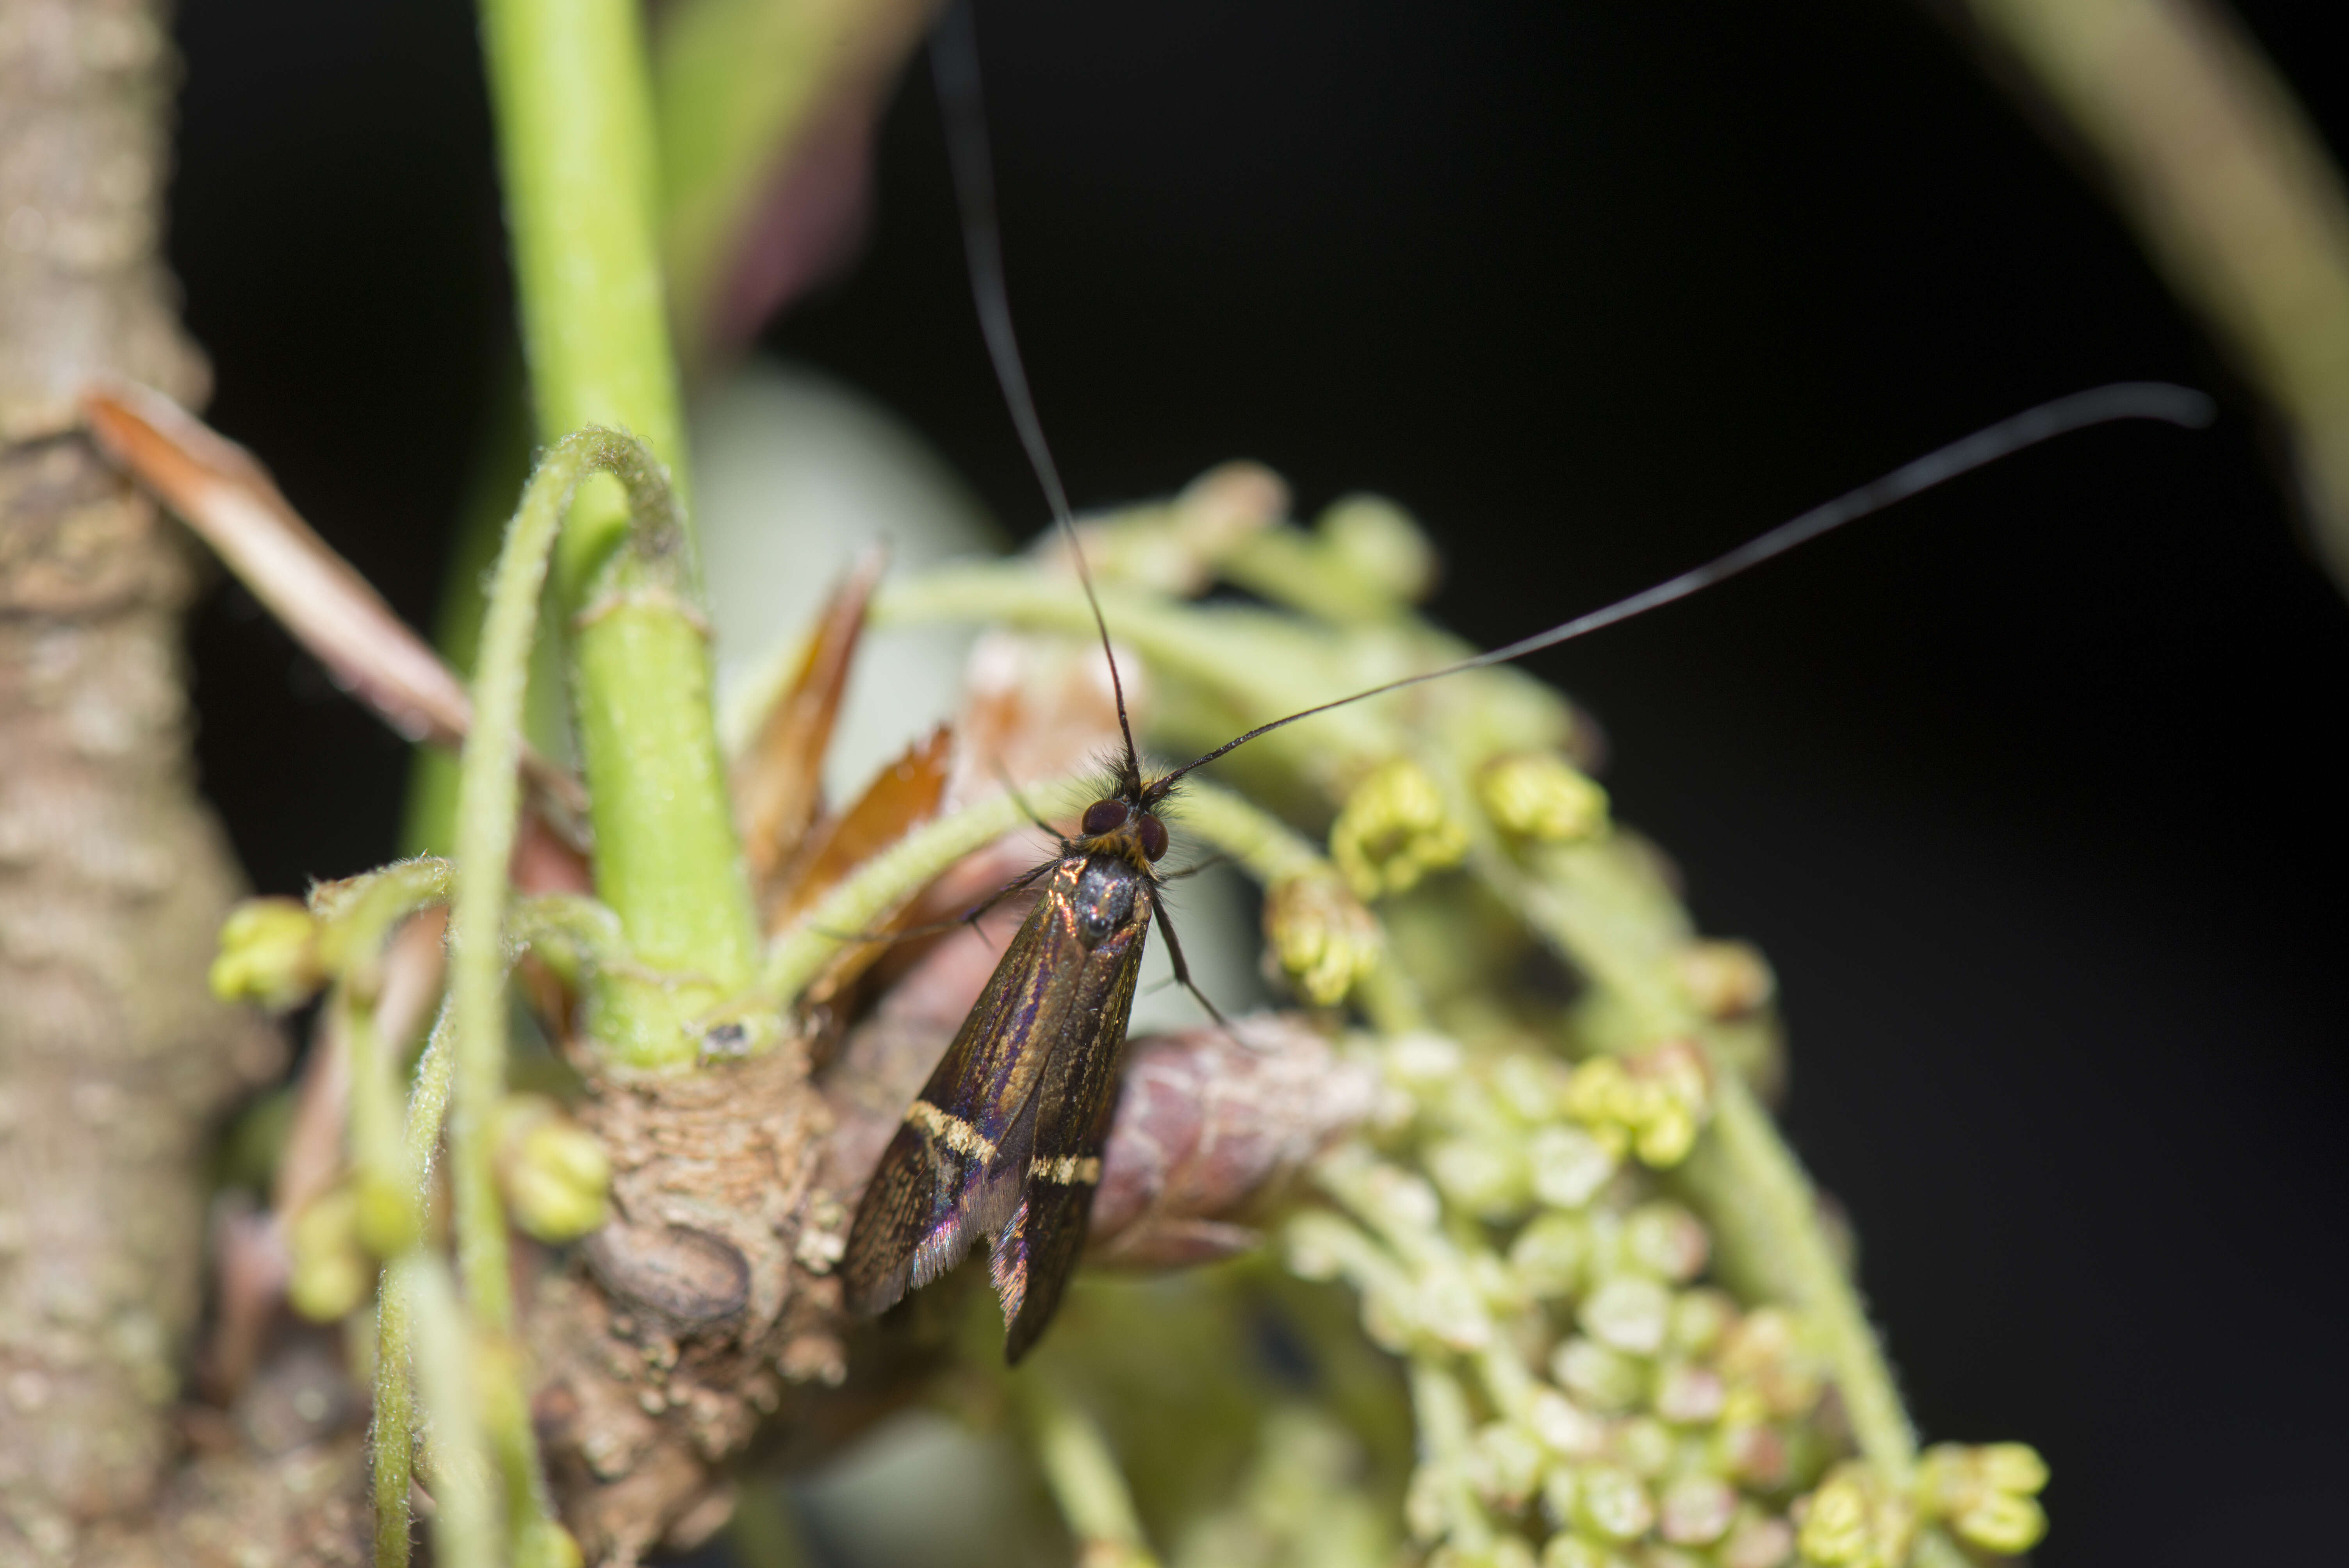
column 969, row 917
column 1183, row 972
column 1011, row 788
column 1210, row 863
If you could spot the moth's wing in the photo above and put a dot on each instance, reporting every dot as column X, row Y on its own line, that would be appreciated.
column 953, row 1171
column 1037, row 1248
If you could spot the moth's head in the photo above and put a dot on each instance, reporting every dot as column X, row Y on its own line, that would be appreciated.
column 1127, row 824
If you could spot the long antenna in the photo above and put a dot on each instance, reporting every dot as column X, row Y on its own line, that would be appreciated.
column 954, row 63
column 2098, row 406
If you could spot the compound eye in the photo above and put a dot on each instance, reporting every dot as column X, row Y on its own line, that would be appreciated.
column 1154, row 836
column 1104, row 816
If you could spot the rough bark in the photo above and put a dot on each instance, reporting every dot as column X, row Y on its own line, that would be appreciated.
column 113, row 1058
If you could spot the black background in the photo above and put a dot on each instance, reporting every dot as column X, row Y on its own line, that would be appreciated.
column 2024, row 789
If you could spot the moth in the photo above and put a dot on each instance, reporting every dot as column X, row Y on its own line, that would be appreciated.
column 1004, row 1143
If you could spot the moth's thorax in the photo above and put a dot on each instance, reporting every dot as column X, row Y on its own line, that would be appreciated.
column 1109, row 890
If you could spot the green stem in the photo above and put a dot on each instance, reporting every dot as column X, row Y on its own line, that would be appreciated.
column 465, row 1531
column 489, row 796
column 1266, row 848
column 568, row 81
column 1085, row 1481
column 883, row 882
column 1749, row 1183
column 391, row 1436
column 1440, row 1407
column 1257, row 665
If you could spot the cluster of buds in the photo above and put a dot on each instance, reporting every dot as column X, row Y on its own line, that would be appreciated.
column 1989, row 1495
column 1540, row 796
column 269, row 955
column 1321, row 935
column 553, row 1174
column 1394, row 830
column 1585, row 1400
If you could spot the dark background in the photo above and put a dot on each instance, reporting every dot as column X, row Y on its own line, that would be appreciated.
column 2024, row 789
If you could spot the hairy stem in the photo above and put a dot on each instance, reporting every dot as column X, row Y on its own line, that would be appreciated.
column 886, row 881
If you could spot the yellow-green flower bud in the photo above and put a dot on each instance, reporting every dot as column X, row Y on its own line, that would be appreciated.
column 1393, row 830
column 268, row 954
column 1321, row 935
column 1541, row 796
column 1854, row 1520
column 330, row 1273
column 1725, row 980
column 384, row 1214
column 1988, row 1494
column 1768, row 1353
column 556, row 1177
column 1651, row 1103
column 1378, row 538
column 546, row 1544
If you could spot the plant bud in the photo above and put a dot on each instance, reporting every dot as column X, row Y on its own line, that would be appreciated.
column 1486, row 1176
column 1393, row 830
column 1598, row 1376
column 1666, row 1240
column 1987, row 1494
column 1725, row 980
column 268, row 954
column 1611, row 1504
column 1700, row 1320
column 1766, row 1352
column 556, row 1177
column 385, row 1216
column 1540, row 796
column 1563, row 1427
column 1569, row 1166
column 1578, row 1551
column 1629, row 1314
column 1689, row 1395
column 1378, row 540
column 1695, row 1510
column 1322, row 936
column 546, row 1544
column 1643, row 1446
column 1854, row 1520
column 1548, row 1254
column 331, row 1274
column 1509, row 1464
column 1756, row 1540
